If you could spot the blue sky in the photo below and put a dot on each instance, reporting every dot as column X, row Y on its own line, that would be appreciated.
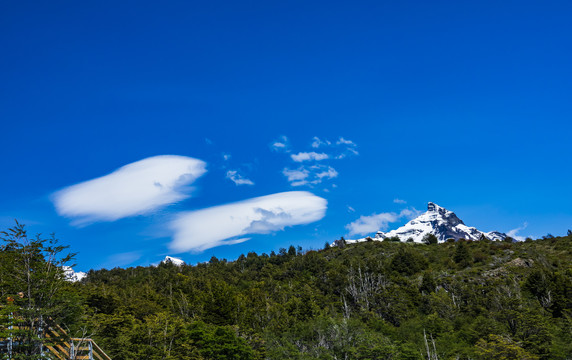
column 463, row 104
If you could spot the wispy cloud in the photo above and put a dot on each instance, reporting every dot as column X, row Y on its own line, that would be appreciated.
column 376, row 222
column 325, row 173
column 513, row 233
column 296, row 177
column 307, row 156
column 134, row 189
column 122, row 259
column 230, row 224
column 349, row 148
column 341, row 140
column 317, row 142
column 238, row 179
column 281, row 145
column 309, row 175
column 399, row 201
column 226, row 157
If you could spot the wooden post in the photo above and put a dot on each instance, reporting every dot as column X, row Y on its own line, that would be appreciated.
column 10, row 327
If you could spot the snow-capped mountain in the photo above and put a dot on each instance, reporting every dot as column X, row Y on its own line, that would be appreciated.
column 73, row 276
column 442, row 223
column 174, row 261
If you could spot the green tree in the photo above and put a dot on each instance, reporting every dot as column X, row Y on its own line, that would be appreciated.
column 462, row 255
column 35, row 284
column 498, row 347
column 430, row 239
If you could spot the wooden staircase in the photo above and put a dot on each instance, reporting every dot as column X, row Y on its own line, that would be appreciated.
column 69, row 349
column 76, row 348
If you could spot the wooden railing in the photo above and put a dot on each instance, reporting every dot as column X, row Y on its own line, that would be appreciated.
column 69, row 349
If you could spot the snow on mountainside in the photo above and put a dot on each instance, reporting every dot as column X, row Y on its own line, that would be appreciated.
column 174, row 261
column 73, row 276
column 442, row 223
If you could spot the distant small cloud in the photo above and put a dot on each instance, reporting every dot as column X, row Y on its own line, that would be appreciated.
column 372, row 223
column 230, row 224
column 351, row 209
column 409, row 213
column 134, row 189
column 235, row 177
column 296, row 177
column 281, row 145
column 328, row 173
column 399, row 201
column 349, row 148
column 226, row 157
column 307, row 156
column 343, row 141
column 375, row 222
column 513, row 233
column 317, row 142
column 309, row 175
column 122, row 259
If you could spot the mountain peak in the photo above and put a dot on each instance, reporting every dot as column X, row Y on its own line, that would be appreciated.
column 442, row 223
column 433, row 207
column 173, row 260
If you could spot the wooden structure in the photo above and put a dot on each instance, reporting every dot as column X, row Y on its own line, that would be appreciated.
column 62, row 348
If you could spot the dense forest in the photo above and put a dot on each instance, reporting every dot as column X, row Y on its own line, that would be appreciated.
column 371, row 300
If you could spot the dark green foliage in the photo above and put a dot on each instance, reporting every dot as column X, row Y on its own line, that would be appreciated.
column 393, row 239
column 462, row 255
column 408, row 261
column 428, row 284
column 371, row 300
column 430, row 239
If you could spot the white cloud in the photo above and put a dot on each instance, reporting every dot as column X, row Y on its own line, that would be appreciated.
column 226, row 157
column 235, row 177
column 312, row 175
column 296, row 177
column 134, row 189
column 372, row 223
column 376, row 222
column 306, row 156
column 228, row 224
column 399, row 201
column 351, row 209
column 123, row 259
column 329, row 173
column 281, row 145
column 410, row 213
column 316, row 143
column 350, row 148
column 512, row 233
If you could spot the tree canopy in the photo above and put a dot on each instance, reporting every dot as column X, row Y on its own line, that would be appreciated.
column 370, row 300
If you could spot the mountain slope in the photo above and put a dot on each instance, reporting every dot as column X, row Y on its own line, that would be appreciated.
column 442, row 223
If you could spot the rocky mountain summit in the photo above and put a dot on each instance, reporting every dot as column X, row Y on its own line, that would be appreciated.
column 442, row 223
column 173, row 260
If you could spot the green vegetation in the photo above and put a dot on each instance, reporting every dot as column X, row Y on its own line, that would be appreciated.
column 371, row 300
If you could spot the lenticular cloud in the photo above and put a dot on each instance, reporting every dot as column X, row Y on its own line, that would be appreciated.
column 134, row 189
column 229, row 224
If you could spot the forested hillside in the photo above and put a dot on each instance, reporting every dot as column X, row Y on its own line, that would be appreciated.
column 371, row 300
